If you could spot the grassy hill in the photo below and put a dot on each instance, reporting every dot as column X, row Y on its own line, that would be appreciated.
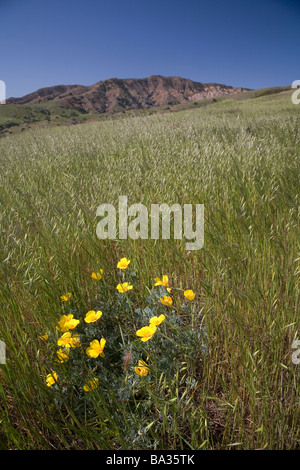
column 16, row 118
column 221, row 372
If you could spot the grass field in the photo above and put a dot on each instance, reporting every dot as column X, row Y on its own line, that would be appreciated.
column 235, row 385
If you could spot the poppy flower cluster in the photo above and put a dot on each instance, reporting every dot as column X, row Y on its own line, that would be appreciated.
column 68, row 323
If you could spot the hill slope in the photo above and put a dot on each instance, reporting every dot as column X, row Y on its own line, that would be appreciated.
column 115, row 94
column 232, row 385
column 45, row 109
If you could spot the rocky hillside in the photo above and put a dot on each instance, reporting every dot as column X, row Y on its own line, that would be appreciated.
column 115, row 95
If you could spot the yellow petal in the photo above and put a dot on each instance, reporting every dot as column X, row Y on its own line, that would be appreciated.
column 123, row 263
column 166, row 300
column 189, row 294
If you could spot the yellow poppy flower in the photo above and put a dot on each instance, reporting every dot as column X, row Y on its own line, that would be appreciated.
column 62, row 324
column 95, row 349
column 66, row 297
column 157, row 320
column 146, row 332
column 73, row 323
column 98, row 275
column 65, row 340
column 92, row 316
column 91, row 385
column 142, row 370
column 166, row 300
column 45, row 337
column 75, row 341
column 123, row 263
column 51, row 379
column 68, row 322
column 189, row 294
column 124, row 287
column 62, row 356
column 164, row 282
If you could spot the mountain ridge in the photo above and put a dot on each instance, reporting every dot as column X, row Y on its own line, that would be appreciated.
column 117, row 94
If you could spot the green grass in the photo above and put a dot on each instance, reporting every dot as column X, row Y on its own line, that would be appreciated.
column 18, row 118
column 240, row 159
column 260, row 92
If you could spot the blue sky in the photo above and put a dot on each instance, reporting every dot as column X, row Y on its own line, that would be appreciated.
column 240, row 43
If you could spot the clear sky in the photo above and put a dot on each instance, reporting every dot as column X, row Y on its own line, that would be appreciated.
column 241, row 43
